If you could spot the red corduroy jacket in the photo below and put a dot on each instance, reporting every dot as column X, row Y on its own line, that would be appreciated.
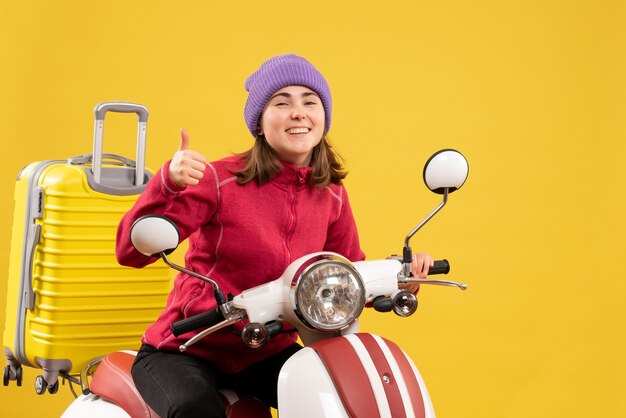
column 240, row 236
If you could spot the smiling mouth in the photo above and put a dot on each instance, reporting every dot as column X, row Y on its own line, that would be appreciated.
column 295, row 131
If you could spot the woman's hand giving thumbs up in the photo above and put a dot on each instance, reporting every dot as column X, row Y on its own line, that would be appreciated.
column 187, row 166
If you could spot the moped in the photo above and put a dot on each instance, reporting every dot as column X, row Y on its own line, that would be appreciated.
column 340, row 372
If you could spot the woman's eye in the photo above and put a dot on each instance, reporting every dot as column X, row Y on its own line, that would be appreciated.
column 310, row 103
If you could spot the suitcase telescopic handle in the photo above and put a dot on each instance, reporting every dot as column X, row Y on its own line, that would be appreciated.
column 100, row 111
column 88, row 159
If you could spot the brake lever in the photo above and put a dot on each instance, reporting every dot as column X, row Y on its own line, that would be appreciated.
column 233, row 317
column 451, row 283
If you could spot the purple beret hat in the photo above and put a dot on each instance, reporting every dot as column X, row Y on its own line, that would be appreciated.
column 279, row 72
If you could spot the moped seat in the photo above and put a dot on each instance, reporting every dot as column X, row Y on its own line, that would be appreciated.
column 113, row 381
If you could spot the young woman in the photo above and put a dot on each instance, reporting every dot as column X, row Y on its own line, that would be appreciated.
column 247, row 218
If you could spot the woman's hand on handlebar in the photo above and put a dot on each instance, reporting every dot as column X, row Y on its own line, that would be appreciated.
column 419, row 267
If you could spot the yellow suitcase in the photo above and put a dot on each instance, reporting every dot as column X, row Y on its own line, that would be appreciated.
column 68, row 300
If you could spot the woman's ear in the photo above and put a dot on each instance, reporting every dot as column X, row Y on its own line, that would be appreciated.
column 259, row 130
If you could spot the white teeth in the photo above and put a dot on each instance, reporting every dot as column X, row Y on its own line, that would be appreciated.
column 298, row 131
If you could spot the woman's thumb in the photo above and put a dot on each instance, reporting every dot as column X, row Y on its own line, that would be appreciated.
column 184, row 140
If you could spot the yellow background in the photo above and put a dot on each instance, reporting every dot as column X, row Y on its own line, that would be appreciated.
column 532, row 92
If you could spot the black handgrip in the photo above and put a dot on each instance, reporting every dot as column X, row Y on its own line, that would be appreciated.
column 197, row 321
column 382, row 304
column 274, row 328
column 439, row 267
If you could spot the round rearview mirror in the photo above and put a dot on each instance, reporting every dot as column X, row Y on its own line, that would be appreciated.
column 154, row 234
column 446, row 169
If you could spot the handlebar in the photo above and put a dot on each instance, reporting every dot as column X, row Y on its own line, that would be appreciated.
column 210, row 318
column 439, row 267
column 192, row 323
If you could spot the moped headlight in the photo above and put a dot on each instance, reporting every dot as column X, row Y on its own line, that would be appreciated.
column 328, row 294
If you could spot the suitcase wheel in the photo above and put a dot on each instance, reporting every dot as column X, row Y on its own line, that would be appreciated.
column 41, row 385
column 6, row 377
column 54, row 388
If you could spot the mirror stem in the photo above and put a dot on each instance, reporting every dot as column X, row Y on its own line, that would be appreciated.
column 407, row 255
column 428, row 218
column 219, row 296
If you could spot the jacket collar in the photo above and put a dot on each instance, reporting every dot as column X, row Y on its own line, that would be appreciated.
column 292, row 175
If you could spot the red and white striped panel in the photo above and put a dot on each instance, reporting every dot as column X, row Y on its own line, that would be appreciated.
column 237, row 406
column 373, row 376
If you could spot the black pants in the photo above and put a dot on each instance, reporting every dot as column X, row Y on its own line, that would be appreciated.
column 178, row 385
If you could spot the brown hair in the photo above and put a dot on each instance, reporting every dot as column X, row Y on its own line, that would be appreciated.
column 261, row 164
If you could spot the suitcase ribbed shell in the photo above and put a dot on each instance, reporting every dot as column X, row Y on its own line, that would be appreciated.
column 85, row 304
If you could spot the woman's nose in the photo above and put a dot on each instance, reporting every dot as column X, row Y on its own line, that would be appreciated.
column 298, row 113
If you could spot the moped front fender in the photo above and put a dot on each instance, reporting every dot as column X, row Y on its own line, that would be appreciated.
column 358, row 375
